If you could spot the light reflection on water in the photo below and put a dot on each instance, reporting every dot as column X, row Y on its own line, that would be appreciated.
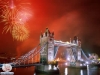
column 63, row 71
column 81, row 72
column 66, row 71
column 78, row 71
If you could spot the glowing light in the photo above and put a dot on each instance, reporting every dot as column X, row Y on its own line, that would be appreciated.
column 66, row 63
column 81, row 72
column 50, row 67
column 67, row 42
column 12, row 6
column 80, row 64
column 68, row 58
column 87, row 62
column 81, row 60
column 89, row 54
column 66, row 71
column 58, row 59
column 20, row 33
column 54, row 67
column 23, row 17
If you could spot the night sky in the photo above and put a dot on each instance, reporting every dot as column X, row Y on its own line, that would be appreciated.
column 67, row 18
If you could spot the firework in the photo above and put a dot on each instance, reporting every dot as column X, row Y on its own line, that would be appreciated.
column 9, row 18
column 14, row 11
column 15, row 14
column 20, row 33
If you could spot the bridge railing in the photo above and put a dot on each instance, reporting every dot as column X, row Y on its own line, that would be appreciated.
column 24, row 57
column 30, row 55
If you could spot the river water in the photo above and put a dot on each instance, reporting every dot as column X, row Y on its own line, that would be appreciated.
column 78, row 71
column 63, row 71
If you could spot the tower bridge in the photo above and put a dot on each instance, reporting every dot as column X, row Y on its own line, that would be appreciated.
column 48, row 48
column 47, row 51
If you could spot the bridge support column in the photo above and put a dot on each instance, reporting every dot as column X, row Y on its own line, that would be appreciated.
column 47, row 54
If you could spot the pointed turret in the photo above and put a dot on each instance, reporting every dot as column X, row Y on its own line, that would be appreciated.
column 75, row 40
column 47, row 32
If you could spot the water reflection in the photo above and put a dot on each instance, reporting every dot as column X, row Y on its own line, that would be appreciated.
column 66, row 71
column 81, row 72
column 87, row 69
column 63, row 70
column 78, row 71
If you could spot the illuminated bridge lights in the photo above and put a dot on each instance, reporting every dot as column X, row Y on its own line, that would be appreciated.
column 48, row 50
column 53, row 62
column 67, row 44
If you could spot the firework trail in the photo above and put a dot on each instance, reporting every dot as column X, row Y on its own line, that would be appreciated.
column 20, row 33
column 15, row 14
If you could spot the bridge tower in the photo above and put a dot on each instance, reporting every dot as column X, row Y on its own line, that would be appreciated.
column 77, row 49
column 74, row 52
column 47, row 55
column 79, row 52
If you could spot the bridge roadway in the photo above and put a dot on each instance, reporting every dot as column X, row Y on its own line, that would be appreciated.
column 23, row 65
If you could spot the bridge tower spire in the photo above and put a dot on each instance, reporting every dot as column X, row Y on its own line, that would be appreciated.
column 47, row 55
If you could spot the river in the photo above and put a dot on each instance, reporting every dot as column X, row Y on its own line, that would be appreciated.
column 63, row 71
